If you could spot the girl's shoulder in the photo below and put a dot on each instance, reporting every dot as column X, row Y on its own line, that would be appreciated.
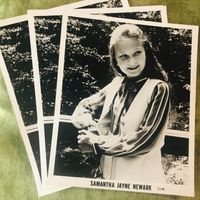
column 159, row 85
column 158, row 82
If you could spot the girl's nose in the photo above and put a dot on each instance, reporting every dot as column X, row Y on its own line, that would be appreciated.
column 132, row 61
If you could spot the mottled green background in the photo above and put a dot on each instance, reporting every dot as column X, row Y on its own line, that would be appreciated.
column 16, row 179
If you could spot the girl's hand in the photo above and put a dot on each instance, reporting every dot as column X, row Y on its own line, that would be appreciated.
column 83, row 121
column 88, row 137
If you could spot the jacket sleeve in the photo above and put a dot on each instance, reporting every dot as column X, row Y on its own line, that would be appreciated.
column 83, row 115
column 154, row 120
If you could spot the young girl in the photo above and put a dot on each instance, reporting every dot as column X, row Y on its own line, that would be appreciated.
column 134, row 111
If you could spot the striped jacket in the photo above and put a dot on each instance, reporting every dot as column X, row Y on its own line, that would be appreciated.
column 142, row 125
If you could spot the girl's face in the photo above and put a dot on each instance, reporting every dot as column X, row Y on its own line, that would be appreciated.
column 130, row 56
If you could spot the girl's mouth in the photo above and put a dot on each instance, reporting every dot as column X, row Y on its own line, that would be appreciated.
column 133, row 68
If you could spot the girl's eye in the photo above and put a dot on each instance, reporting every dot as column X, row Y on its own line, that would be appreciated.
column 137, row 53
column 123, row 57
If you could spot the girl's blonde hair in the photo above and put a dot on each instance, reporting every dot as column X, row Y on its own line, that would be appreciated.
column 153, row 69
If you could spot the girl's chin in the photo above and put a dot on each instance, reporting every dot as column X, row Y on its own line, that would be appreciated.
column 132, row 75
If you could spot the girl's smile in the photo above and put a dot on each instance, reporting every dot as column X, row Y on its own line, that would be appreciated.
column 130, row 56
column 133, row 68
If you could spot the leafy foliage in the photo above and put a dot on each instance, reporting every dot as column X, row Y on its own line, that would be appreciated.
column 15, row 47
column 48, row 30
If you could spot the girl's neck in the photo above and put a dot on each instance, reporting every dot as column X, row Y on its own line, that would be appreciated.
column 137, row 78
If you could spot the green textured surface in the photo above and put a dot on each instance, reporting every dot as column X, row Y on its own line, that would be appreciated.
column 16, row 179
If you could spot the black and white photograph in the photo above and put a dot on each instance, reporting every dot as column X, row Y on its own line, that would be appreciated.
column 125, row 104
column 18, row 75
column 45, row 41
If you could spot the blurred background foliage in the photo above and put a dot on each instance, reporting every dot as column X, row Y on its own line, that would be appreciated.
column 48, row 30
column 16, row 50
